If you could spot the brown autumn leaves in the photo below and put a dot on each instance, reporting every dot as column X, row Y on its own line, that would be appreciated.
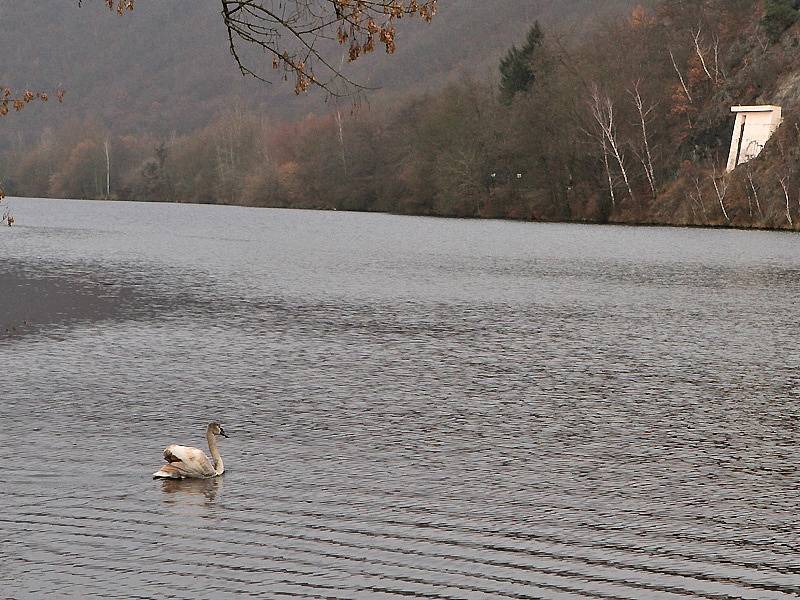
column 18, row 100
column 288, row 31
column 9, row 100
column 294, row 35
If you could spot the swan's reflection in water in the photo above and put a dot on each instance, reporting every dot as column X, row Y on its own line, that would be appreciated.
column 191, row 491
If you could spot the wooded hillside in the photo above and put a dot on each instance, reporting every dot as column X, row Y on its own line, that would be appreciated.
column 166, row 66
column 628, row 122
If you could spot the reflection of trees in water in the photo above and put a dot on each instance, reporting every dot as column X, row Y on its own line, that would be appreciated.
column 178, row 488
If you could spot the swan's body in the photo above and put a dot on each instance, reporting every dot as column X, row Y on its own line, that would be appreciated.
column 185, row 462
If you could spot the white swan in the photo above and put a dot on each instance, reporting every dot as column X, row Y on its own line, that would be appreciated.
column 185, row 462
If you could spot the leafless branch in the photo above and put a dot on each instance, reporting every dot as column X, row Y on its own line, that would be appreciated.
column 785, row 186
column 699, row 51
column 293, row 34
column 721, row 189
column 646, row 158
column 602, row 109
column 755, row 192
column 680, row 76
column 289, row 33
column 697, row 198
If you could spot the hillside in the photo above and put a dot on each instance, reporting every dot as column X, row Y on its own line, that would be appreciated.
column 624, row 120
column 166, row 66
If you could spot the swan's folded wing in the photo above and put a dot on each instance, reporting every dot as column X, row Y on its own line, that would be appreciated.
column 173, row 470
column 194, row 460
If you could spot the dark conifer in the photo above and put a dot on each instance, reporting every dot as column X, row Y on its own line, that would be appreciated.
column 516, row 68
column 779, row 15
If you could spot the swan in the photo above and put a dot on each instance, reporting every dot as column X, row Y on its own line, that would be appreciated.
column 185, row 462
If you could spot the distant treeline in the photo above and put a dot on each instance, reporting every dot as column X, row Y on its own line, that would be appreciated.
column 631, row 125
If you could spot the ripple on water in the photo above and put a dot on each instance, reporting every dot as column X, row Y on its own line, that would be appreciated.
column 543, row 412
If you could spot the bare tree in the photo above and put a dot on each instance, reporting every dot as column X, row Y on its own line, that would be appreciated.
column 755, row 192
column 784, row 181
column 715, row 71
column 761, row 40
column 700, row 52
column 340, row 131
column 604, row 144
column 293, row 33
column 720, row 188
column 697, row 199
column 719, row 71
column 602, row 108
column 786, row 166
column 680, row 77
column 645, row 157
column 108, row 170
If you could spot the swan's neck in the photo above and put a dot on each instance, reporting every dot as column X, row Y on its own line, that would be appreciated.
column 219, row 467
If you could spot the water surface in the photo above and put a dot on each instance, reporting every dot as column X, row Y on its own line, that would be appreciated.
column 417, row 407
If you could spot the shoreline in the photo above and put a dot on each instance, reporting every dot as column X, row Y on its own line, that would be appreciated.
column 610, row 222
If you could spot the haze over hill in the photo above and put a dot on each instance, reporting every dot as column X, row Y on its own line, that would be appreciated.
column 166, row 66
column 621, row 119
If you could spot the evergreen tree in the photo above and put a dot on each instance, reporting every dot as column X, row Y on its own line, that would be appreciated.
column 516, row 68
column 779, row 15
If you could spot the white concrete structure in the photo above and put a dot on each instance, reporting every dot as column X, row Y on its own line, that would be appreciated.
column 754, row 126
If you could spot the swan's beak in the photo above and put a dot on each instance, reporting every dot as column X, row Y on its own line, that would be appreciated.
column 222, row 433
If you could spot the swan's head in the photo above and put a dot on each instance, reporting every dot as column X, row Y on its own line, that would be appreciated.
column 216, row 429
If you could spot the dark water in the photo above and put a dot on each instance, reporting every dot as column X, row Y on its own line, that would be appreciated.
column 417, row 408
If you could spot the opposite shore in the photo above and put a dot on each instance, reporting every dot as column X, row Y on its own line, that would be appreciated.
column 569, row 131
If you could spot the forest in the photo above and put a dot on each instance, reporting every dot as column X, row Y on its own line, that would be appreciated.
column 627, row 123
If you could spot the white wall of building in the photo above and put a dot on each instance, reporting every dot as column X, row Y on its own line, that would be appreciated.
column 753, row 128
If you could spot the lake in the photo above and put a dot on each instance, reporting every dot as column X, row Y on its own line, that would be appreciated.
column 416, row 407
